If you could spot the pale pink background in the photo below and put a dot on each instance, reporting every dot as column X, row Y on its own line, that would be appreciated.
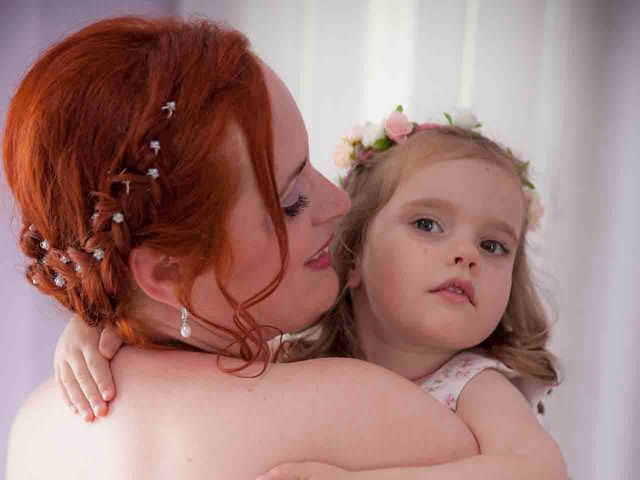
column 31, row 323
column 555, row 79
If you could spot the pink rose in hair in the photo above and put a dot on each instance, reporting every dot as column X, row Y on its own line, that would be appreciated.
column 398, row 127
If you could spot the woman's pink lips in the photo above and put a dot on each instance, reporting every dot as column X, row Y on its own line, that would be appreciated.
column 323, row 262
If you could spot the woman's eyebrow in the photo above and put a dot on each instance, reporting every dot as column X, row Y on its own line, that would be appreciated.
column 292, row 176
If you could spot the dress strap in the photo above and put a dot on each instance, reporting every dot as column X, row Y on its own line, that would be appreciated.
column 446, row 383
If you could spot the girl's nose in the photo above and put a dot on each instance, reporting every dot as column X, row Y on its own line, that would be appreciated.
column 465, row 255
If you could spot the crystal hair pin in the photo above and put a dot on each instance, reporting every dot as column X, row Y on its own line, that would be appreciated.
column 155, row 146
column 59, row 281
column 169, row 107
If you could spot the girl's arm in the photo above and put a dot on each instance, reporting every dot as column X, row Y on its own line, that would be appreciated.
column 82, row 371
column 512, row 443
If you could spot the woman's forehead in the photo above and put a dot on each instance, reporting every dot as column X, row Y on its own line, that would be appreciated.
column 289, row 132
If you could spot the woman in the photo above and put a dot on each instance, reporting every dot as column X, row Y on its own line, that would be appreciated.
column 162, row 175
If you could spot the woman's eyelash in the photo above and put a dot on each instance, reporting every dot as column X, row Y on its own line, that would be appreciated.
column 297, row 208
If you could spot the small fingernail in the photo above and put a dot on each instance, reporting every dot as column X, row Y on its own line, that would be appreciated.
column 97, row 409
column 86, row 414
column 106, row 395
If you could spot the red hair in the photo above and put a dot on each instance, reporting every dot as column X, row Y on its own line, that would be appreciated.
column 77, row 144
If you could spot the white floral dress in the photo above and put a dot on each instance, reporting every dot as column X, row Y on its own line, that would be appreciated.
column 446, row 383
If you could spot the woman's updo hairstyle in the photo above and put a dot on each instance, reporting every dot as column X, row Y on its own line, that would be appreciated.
column 116, row 138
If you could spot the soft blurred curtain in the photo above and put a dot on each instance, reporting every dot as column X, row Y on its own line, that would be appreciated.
column 556, row 80
column 32, row 323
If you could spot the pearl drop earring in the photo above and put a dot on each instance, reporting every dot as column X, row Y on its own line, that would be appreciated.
column 185, row 328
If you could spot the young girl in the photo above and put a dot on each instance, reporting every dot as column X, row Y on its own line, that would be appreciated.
column 437, row 287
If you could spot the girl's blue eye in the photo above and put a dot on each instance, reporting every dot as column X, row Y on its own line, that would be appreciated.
column 494, row 247
column 296, row 208
column 428, row 225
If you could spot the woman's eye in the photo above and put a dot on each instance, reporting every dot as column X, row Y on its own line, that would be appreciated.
column 494, row 247
column 428, row 225
column 297, row 207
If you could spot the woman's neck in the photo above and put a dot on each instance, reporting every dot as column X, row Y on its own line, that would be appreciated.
column 162, row 322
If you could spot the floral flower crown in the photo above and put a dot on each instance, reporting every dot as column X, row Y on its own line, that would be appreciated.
column 363, row 141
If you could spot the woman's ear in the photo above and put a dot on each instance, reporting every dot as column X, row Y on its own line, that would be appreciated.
column 354, row 277
column 156, row 274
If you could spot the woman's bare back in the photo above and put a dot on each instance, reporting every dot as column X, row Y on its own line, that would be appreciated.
column 178, row 416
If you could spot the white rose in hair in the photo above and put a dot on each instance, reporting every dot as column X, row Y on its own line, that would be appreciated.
column 343, row 154
column 371, row 133
column 465, row 119
column 355, row 134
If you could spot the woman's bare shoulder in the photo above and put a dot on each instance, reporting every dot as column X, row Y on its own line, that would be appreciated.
column 42, row 434
column 341, row 402
column 169, row 377
column 341, row 411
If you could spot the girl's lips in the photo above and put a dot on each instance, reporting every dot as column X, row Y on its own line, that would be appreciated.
column 456, row 289
column 452, row 296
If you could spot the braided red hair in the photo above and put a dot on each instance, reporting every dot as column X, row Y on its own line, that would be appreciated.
column 78, row 143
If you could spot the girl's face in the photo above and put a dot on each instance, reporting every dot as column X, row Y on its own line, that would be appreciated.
column 435, row 271
column 311, row 205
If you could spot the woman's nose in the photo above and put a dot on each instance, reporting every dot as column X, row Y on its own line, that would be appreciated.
column 332, row 202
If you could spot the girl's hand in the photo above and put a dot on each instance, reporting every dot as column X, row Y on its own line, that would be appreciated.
column 81, row 365
column 306, row 471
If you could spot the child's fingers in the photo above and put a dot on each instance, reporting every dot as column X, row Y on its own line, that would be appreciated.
column 110, row 343
column 100, row 371
column 87, row 384
column 63, row 392
column 287, row 471
column 78, row 399
column 305, row 471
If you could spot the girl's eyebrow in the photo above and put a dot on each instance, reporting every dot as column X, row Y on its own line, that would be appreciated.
column 292, row 176
column 505, row 228
column 448, row 207
column 436, row 203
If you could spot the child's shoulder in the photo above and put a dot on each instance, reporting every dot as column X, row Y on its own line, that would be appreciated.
column 448, row 382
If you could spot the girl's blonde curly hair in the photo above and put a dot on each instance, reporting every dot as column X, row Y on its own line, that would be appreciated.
column 519, row 340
